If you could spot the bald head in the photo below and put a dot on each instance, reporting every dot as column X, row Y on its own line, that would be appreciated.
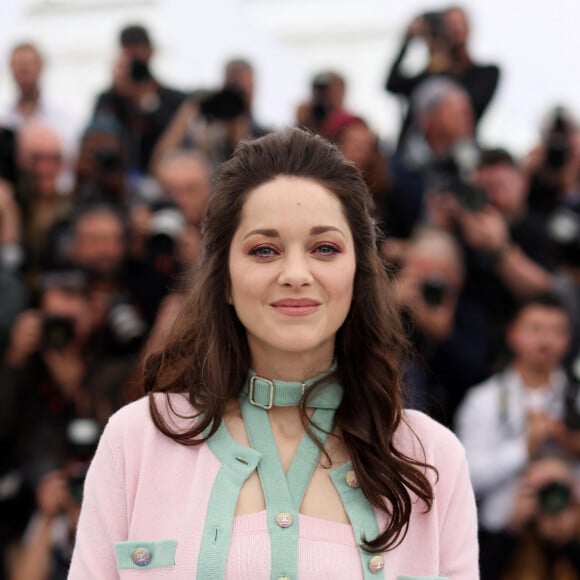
column 185, row 177
column 437, row 252
column 39, row 154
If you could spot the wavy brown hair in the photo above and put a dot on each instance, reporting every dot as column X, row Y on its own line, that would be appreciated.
column 207, row 354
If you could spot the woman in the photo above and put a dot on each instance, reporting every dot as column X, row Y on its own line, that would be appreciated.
column 273, row 443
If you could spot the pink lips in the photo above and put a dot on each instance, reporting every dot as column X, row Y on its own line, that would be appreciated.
column 296, row 306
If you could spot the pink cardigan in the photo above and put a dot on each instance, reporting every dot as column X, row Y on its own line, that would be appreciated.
column 145, row 489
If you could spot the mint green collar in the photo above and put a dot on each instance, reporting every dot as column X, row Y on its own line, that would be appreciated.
column 266, row 393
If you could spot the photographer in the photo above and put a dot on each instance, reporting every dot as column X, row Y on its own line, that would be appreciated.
column 46, row 208
column 554, row 165
column 446, row 33
column 56, row 369
column 215, row 121
column 442, row 122
column 124, row 292
column 27, row 64
column 141, row 105
column 325, row 107
column 47, row 543
column 506, row 248
column 165, row 222
column 448, row 351
column 102, row 166
column 544, row 525
column 516, row 414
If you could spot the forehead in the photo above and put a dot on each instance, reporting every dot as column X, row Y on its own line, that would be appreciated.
column 294, row 200
column 99, row 221
column 39, row 140
column 181, row 168
column 25, row 53
column 542, row 313
column 497, row 170
column 62, row 298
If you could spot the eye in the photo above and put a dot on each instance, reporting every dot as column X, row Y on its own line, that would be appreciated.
column 327, row 250
column 263, row 252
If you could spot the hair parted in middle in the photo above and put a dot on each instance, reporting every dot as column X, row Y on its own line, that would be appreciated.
column 207, row 355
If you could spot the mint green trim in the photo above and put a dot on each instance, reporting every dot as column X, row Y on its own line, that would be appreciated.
column 361, row 515
column 266, row 393
column 238, row 462
column 283, row 541
column 307, row 456
column 283, row 492
column 422, row 578
column 162, row 554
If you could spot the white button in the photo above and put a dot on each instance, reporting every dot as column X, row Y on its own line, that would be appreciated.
column 284, row 519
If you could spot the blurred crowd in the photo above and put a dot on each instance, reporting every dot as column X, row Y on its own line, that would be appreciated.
column 100, row 232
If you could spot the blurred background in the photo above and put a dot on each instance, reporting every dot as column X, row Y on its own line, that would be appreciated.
column 290, row 40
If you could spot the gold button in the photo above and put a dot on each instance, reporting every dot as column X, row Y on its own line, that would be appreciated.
column 351, row 479
column 283, row 577
column 377, row 564
column 284, row 519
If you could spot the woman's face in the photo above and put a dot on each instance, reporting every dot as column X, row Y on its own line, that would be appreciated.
column 292, row 266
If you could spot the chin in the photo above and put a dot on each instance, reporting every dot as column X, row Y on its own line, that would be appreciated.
column 298, row 343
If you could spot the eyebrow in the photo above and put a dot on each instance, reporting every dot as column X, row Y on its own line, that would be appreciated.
column 314, row 231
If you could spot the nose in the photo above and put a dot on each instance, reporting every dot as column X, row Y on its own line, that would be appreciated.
column 295, row 270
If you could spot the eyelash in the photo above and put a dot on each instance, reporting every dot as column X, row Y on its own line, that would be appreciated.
column 257, row 251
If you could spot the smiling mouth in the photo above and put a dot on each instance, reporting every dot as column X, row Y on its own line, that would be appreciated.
column 296, row 307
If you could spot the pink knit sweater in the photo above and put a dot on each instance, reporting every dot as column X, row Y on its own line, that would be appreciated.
column 144, row 487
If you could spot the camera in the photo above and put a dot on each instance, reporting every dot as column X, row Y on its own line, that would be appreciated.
column 139, row 71
column 557, row 144
column 433, row 291
column 563, row 230
column 167, row 224
column 554, row 497
column 57, row 332
column 451, row 175
column 107, row 160
column 469, row 197
column 320, row 86
column 223, row 105
column 435, row 23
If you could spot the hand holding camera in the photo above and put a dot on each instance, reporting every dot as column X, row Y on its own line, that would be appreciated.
column 428, row 300
column 556, row 516
column 52, row 495
column 544, row 497
column 485, row 230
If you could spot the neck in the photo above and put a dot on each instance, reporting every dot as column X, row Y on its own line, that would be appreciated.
column 439, row 144
column 29, row 95
column 291, row 366
column 533, row 378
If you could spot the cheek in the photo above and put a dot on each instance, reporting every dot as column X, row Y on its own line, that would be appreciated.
column 244, row 283
column 344, row 286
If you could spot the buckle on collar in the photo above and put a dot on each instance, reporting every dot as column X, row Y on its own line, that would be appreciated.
column 272, row 389
column 251, row 398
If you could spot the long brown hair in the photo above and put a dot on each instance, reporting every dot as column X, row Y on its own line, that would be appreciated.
column 207, row 355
